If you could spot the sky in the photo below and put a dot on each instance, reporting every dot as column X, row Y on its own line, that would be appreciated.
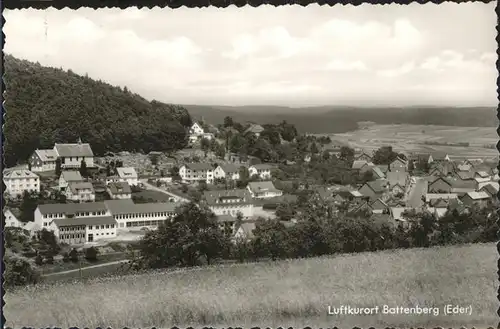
column 369, row 55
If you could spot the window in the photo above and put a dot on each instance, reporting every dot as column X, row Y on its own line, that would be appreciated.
column 107, row 225
column 90, row 227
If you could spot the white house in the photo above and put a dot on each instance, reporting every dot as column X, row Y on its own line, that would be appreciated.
column 263, row 190
column 67, row 177
column 230, row 202
column 227, row 171
column 19, row 181
column 119, row 190
column 43, row 160
column 196, row 129
column 128, row 175
column 80, row 191
column 11, row 218
column 244, row 231
column 262, row 170
column 195, row 172
column 71, row 155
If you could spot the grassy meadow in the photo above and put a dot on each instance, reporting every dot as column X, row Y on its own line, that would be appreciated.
column 287, row 293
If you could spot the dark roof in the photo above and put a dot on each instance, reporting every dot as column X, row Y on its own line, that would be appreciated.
column 74, row 150
column 466, row 175
column 98, row 220
column 119, row 188
column 127, row 206
column 71, row 208
column 72, row 176
column 377, row 185
column 75, row 187
column 266, row 186
column 490, row 189
column 397, row 177
column 229, row 167
column 437, row 156
column 263, row 166
column 215, row 197
column 46, row 155
column 225, row 219
column 199, row 166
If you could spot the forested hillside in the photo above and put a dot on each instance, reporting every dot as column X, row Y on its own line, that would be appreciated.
column 46, row 105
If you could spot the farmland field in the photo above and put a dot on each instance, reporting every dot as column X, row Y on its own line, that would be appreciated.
column 412, row 138
column 287, row 293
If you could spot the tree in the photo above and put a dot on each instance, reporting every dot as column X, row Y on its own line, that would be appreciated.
column 39, row 260
column 58, row 167
column 270, row 239
column 228, row 122
column 205, row 145
column 384, row 155
column 285, row 211
column 314, row 148
column 288, row 131
column 91, row 254
column 346, row 153
column 29, row 203
column 193, row 233
column 19, row 272
column 83, row 169
column 73, row 255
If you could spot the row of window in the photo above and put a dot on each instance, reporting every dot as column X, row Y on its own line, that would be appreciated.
column 72, row 236
column 145, row 223
column 22, row 180
column 101, row 226
column 134, row 216
column 78, row 214
column 73, row 228
column 230, row 200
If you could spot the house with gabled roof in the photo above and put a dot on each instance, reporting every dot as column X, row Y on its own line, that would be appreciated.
column 373, row 189
column 72, row 155
column 119, row 190
column 363, row 156
column 440, row 156
column 254, row 129
column 12, row 216
column 69, row 176
column 383, row 168
column 440, row 185
column 377, row 173
column 359, row 164
column 80, row 191
column 195, row 172
column 19, row 181
column 229, row 202
column 379, row 207
column 244, row 231
column 262, row 170
column 398, row 165
column 263, row 190
column 43, row 160
column 128, row 175
column 491, row 189
column 480, row 199
column 227, row 171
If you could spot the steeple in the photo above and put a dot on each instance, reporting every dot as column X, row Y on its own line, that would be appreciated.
column 79, row 140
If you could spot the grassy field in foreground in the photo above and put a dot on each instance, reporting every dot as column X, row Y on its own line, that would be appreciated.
column 288, row 293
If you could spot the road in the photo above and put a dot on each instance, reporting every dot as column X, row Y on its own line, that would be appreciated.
column 155, row 188
column 418, row 190
column 87, row 267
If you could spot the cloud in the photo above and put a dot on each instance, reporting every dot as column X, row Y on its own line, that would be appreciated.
column 253, row 55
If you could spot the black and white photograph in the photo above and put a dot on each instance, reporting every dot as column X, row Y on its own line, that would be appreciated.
column 291, row 166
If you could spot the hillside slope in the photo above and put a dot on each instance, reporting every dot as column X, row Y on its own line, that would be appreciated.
column 46, row 105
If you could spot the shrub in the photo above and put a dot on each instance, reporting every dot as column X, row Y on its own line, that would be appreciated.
column 91, row 254
column 73, row 255
column 19, row 272
column 39, row 260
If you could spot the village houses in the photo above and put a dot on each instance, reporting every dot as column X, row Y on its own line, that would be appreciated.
column 12, row 216
column 80, row 191
column 119, row 190
column 196, row 133
column 67, row 177
column 398, row 165
column 254, row 129
column 128, row 175
column 19, row 181
column 227, row 171
column 71, row 155
column 43, row 160
column 196, row 172
column 230, row 202
column 263, row 170
column 263, row 190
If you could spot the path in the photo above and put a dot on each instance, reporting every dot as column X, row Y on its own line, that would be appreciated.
column 87, row 267
column 154, row 188
column 418, row 190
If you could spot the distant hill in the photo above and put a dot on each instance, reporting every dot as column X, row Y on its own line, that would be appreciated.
column 45, row 105
column 331, row 119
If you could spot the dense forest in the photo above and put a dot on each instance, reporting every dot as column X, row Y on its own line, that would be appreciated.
column 46, row 105
column 342, row 119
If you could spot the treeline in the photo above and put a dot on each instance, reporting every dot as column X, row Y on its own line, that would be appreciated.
column 195, row 238
column 344, row 119
column 46, row 105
